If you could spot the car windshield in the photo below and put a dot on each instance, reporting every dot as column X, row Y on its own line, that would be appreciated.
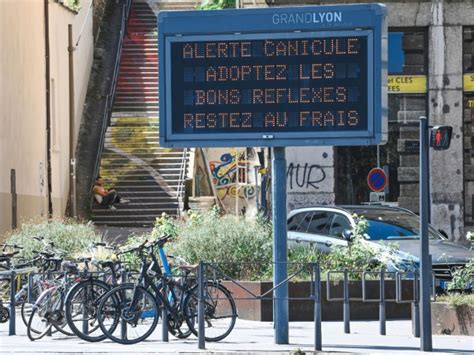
column 385, row 224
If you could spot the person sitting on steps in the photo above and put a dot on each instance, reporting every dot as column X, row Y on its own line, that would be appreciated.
column 106, row 198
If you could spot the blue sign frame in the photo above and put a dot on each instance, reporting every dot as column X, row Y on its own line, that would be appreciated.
column 283, row 22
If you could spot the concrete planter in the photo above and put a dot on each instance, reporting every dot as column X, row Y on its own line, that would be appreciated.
column 451, row 320
column 303, row 310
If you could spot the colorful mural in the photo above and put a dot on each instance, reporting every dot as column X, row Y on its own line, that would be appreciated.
column 233, row 178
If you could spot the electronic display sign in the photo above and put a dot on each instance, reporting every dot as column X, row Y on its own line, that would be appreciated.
column 272, row 88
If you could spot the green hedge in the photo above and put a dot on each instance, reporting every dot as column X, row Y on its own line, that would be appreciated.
column 69, row 237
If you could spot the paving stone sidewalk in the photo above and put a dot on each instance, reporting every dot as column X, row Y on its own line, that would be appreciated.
column 249, row 337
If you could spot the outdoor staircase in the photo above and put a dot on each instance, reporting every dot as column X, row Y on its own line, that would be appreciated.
column 133, row 162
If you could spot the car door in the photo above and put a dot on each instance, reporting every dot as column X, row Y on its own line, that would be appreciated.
column 317, row 233
column 338, row 224
column 297, row 227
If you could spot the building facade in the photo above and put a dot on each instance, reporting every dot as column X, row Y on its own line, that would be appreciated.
column 431, row 67
column 34, row 96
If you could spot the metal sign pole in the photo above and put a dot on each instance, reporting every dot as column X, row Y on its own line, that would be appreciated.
column 280, row 271
column 425, row 310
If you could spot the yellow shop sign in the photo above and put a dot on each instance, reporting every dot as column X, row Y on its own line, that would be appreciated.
column 407, row 84
column 469, row 82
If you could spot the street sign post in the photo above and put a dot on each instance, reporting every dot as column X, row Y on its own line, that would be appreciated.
column 425, row 259
column 277, row 77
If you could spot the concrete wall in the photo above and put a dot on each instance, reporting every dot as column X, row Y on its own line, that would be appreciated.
column 23, row 108
column 310, row 176
column 23, row 101
column 60, row 18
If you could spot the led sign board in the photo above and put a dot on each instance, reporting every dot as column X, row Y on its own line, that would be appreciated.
column 273, row 77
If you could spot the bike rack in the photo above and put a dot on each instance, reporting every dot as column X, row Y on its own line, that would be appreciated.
column 315, row 295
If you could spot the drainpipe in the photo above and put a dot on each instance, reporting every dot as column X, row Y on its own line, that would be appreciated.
column 48, row 109
column 72, row 160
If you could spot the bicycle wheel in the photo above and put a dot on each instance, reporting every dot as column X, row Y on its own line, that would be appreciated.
column 26, row 307
column 177, row 325
column 128, row 314
column 81, row 306
column 220, row 311
column 43, row 314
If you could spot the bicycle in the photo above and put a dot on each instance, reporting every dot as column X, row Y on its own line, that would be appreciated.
column 137, row 309
column 48, row 310
column 83, row 298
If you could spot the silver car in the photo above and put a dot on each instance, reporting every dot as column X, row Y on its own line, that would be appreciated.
column 326, row 227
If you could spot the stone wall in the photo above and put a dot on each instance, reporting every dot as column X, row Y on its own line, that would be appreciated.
column 310, row 176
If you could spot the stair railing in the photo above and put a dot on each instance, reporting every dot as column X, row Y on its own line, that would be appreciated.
column 109, row 100
column 181, row 180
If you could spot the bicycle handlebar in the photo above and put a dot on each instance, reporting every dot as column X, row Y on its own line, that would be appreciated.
column 138, row 248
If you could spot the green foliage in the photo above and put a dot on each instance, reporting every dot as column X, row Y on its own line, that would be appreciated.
column 463, row 277
column 164, row 225
column 72, row 4
column 229, row 240
column 217, row 4
column 70, row 238
column 457, row 299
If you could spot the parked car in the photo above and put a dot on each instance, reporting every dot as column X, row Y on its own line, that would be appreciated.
column 326, row 227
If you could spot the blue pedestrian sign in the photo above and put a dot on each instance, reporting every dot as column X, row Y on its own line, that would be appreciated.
column 273, row 77
column 377, row 179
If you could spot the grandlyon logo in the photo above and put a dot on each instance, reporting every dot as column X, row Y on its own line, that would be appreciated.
column 307, row 17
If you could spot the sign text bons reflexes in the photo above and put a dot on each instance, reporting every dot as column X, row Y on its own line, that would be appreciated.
column 270, row 85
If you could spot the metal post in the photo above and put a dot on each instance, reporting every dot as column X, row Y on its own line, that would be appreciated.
column 416, row 306
column 201, row 334
column 164, row 313
column 72, row 169
column 12, row 323
column 85, row 322
column 14, row 198
column 123, row 323
column 346, row 309
column 280, row 248
column 425, row 320
column 382, row 303
column 317, row 308
column 30, row 288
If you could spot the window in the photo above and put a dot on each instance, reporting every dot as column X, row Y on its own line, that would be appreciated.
column 295, row 221
column 468, row 49
column 468, row 78
column 319, row 223
column 338, row 225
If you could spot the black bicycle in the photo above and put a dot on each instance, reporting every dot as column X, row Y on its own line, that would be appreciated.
column 129, row 313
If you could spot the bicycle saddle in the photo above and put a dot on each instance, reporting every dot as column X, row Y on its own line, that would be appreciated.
column 70, row 267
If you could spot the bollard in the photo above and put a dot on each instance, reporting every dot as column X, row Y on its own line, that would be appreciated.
column 346, row 309
column 164, row 328
column 416, row 306
column 201, row 335
column 382, row 317
column 30, row 295
column 317, row 308
column 50, row 276
column 85, row 323
column 12, row 324
column 123, row 323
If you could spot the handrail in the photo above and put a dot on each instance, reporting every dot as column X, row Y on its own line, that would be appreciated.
column 182, row 176
column 111, row 95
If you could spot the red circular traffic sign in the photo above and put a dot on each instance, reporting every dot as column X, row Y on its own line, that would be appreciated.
column 376, row 179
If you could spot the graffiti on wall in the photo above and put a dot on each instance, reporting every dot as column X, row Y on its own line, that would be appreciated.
column 305, row 176
column 232, row 180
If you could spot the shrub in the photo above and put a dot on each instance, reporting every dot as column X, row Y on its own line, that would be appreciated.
column 463, row 278
column 230, row 240
column 70, row 238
